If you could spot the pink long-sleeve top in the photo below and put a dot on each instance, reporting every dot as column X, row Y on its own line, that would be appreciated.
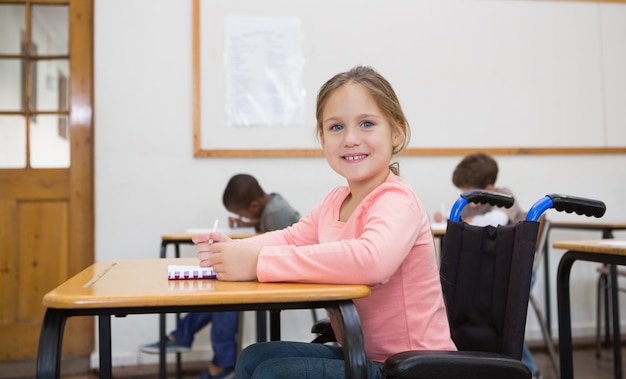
column 386, row 244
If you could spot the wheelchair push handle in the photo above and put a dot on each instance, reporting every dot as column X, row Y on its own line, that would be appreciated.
column 489, row 197
column 480, row 197
column 567, row 203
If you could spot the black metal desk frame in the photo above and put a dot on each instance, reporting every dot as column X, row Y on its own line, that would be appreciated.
column 564, row 311
column 51, row 338
column 607, row 232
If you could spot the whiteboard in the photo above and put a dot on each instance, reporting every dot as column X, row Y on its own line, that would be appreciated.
column 468, row 73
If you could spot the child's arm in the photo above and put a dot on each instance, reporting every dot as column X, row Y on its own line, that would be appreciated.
column 237, row 260
column 366, row 250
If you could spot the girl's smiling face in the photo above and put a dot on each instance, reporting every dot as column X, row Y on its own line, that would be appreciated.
column 356, row 137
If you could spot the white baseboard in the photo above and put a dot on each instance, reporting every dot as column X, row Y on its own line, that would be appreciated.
column 204, row 353
column 586, row 331
column 138, row 358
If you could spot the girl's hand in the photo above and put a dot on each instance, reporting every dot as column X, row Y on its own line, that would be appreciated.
column 203, row 245
column 232, row 261
column 209, row 238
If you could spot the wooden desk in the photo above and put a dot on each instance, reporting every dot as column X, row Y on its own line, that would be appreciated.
column 606, row 228
column 141, row 286
column 591, row 251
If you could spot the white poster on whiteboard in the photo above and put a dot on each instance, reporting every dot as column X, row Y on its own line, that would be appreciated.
column 263, row 65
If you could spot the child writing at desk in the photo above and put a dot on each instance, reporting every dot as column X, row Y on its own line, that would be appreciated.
column 480, row 171
column 244, row 197
column 374, row 231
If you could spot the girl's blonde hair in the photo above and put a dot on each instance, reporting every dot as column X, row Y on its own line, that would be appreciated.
column 383, row 95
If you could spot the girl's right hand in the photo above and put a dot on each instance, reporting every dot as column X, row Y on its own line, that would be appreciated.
column 210, row 238
column 235, row 261
column 203, row 244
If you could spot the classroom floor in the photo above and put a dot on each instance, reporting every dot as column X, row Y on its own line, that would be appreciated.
column 586, row 366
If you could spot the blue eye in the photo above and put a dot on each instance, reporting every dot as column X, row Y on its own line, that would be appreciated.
column 367, row 124
column 336, row 127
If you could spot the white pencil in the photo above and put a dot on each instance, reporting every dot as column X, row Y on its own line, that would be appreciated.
column 214, row 230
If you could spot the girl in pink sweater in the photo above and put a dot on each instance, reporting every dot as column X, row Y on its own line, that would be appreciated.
column 374, row 231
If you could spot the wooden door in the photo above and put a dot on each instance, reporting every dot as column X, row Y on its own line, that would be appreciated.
column 46, row 198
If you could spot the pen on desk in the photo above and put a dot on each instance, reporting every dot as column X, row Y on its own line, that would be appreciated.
column 214, row 230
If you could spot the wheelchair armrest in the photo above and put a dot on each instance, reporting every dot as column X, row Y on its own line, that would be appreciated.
column 429, row 364
column 324, row 331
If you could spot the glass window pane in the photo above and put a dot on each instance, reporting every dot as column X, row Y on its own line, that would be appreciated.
column 49, row 142
column 50, row 26
column 12, row 142
column 10, row 85
column 52, row 81
column 12, row 24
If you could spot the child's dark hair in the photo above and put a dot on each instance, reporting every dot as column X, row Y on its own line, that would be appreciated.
column 475, row 171
column 240, row 191
column 383, row 94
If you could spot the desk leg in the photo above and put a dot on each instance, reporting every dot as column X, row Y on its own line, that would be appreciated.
column 546, row 288
column 604, row 283
column 607, row 234
column 162, row 370
column 617, row 341
column 261, row 326
column 564, row 307
column 353, row 346
column 275, row 325
column 50, row 342
column 104, row 336
column 565, row 317
column 163, row 250
column 179, row 366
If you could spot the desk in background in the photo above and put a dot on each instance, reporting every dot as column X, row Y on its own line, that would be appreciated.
column 184, row 238
column 611, row 252
column 606, row 228
column 439, row 231
column 141, row 286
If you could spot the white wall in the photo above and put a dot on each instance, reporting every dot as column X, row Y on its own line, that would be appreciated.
column 149, row 184
column 482, row 63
